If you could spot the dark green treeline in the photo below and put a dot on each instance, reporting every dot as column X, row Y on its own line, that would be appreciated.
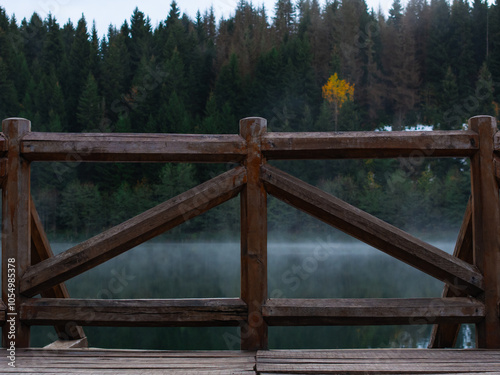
column 429, row 63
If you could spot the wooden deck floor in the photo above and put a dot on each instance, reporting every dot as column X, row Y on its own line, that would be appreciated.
column 374, row 361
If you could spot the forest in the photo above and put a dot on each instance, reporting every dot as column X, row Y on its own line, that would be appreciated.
column 431, row 63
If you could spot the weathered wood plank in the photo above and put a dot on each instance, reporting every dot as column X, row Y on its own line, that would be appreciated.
column 16, row 223
column 254, row 334
column 378, row 361
column 68, row 344
column 133, row 232
column 496, row 166
column 3, row 170
column 91, row 361
column 4, row 144
column 382, row 354
column 372, row 231
column 135, row 313
column 115, row 147
column 350, row 145
column 3, row 310
column 445, row 335
column 41, row 250
column 486, row 228
column 346, row 361
column 372, row 311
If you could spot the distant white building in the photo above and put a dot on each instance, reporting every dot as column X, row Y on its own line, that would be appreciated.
column 416, row 128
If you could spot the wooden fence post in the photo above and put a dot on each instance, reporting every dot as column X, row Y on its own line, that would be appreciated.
column 254, row 238
column 16, row 231
column 486, row 228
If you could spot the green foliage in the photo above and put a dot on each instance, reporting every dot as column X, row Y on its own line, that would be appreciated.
column 425, row 63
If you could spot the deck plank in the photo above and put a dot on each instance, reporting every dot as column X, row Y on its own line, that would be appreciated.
column 297, row 362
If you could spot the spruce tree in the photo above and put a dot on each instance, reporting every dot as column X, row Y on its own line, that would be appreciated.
column 79, row 66
column 89, row 111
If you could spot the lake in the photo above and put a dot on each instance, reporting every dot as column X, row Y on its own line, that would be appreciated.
column 315, row 269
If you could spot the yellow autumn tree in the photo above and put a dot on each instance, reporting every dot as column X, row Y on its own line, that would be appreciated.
column 337, row 91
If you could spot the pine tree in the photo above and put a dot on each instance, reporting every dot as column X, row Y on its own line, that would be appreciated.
column 229, row 90
column 53, row 52
column 479, row 24
column 79, row 65
column 484, row 93
column 89, row 112
column 493, row 56
column 395, row 19
column 461, row 49
column 448, row 102
column 115, row 70
column 140, row 39
column 95, row 54
column 8, row 94
column 33, row 36
column 284, row 20
column 437, row 58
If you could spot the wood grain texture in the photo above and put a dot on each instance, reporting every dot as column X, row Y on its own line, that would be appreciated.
column 135, row 313
column 344, row 361
column 445, row 335
column 4, row 144
column 78, row 147
column 367, row 145
column 128, row 362
column 372, row 231
column 41, row 250
column 133, row 232
column 16, row 223
column 378, row 361
column 486, row 228
column 3, row 310
column 254, row 333
column 68, row 344
column 371, row 311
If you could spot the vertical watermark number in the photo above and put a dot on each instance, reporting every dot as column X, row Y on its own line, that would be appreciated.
column 11, row 311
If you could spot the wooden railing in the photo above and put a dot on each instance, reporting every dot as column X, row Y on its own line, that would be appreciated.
column 471, row 274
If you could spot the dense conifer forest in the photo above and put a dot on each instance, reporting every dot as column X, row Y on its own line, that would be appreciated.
column 431, row 62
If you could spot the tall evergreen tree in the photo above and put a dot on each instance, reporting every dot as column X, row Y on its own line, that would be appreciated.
column 89, row 112
column 79, row 65
column 284, row 19
column 140, row 39
column 461, row 49
column 479, row 30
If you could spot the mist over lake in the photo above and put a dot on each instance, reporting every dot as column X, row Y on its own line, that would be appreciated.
column 320, row 268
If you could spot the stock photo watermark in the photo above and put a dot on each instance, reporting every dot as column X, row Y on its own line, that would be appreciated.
column 11, row 311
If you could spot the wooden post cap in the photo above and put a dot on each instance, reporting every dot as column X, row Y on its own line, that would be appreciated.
column 15, row 125
column 253, row 127
column 480, row 122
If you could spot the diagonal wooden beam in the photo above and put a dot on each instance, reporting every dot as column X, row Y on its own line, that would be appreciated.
column 445, row 335
column 372, row 231
column 133, row 232
column 41, row 250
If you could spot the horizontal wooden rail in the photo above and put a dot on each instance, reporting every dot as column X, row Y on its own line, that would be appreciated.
column 496, row 143
column 371, row 311
column 351, row 145
column 4, row 144
column 115, row 147
column 373, row 231
column 134, row 313
column 133, row 232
